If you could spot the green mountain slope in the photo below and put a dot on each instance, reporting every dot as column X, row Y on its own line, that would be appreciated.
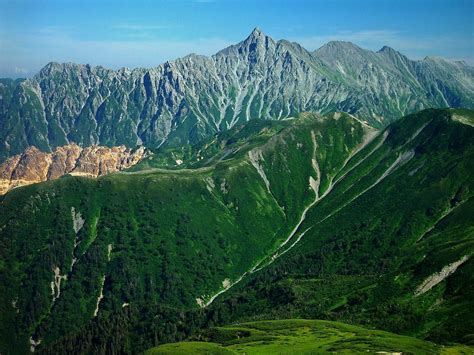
column 391, row 245
column 319, row 217
column 76, row 251
column 303, row 337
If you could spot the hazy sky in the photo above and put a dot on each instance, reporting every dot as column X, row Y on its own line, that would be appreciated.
column 146, row 33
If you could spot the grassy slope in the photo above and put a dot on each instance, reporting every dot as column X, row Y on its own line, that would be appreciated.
column 174, row 236
column 368, row 249
column 303, row 337
column 177, row 235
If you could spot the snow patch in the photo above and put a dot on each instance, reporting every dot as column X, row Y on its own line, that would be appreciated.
column 313, row 184
column 401, row 160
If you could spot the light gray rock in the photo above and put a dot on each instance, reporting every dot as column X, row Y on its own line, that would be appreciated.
column 184, row 100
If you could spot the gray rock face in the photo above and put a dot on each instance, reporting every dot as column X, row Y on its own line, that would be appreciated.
column 189, row 98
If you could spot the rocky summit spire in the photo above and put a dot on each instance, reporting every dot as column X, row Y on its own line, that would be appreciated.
column 256, row 32
column 256, row 36
column 257, row 41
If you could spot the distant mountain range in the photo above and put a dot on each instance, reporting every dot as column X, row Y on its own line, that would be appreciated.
column 188, row 99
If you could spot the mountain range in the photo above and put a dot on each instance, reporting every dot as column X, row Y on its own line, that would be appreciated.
column 263, row 199
column 191, row 98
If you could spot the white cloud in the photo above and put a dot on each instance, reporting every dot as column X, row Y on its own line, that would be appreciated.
column 20, row 71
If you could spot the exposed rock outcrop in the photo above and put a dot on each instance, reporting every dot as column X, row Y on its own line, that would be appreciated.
column 190, row 98
column 33, row 165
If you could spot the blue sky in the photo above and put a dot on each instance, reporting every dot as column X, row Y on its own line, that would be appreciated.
column 145, row 33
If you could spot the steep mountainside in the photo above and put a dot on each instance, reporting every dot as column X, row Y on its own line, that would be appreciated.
column 319, row 216
column 34, row 166
column 193, row 97
column 390, row 245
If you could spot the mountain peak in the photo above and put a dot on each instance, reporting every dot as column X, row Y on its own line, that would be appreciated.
column 257, row 41
column 387, row 50
column 256, row 32
column 339, row 45
column 256, row 36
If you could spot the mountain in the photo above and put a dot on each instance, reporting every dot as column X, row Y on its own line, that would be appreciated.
column 390, row 245
column 33, row 166
column 191, row 98
column 320, row 216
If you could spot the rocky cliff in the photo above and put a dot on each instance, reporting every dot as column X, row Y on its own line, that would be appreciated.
column 196, row 96
column 34, row 166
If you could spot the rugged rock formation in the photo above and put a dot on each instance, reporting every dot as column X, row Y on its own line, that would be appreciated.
column 193, row 97
column 34, row 166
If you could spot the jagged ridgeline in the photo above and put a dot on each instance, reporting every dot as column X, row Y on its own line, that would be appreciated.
column 319, row 216
column 194, row 97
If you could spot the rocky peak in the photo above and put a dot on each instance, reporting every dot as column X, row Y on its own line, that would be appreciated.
column 254, row 47
column 193, row 97
column 257, row 40
column 339, row 47
column 386, row 49
column 389, row 52
column 256, row 34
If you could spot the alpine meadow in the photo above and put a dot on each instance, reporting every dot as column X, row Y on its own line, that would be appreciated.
column 265, row 199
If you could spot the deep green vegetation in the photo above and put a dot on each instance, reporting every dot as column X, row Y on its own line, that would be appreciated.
column 365, row 255
column 155, row 242
column 302, row 337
